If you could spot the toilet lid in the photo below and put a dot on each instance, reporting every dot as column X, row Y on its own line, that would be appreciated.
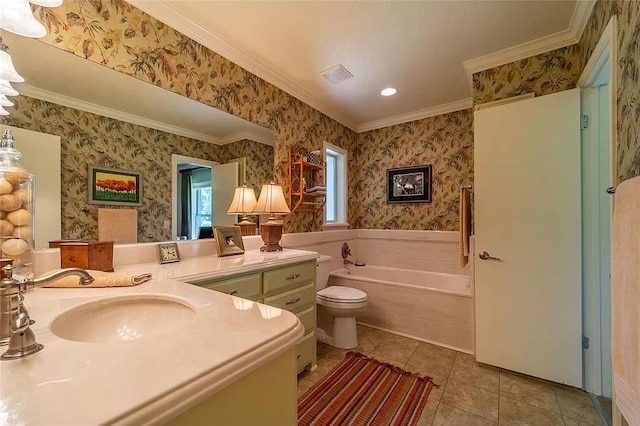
column 336, row 293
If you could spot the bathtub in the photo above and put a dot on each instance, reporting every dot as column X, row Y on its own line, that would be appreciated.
column 428, row 306
column 423, row 280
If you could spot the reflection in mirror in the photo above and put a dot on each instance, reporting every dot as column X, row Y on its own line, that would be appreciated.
column 41, row 153
column 108, row 119
column 202, row 192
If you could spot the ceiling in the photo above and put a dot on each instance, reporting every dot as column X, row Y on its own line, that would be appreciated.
column 426, row 49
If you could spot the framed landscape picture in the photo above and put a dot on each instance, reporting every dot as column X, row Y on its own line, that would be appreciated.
column 114, row 187
column 409, row 184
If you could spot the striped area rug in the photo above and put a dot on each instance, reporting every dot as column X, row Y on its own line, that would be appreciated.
column 362, row 391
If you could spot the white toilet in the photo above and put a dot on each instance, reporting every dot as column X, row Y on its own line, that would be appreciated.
column 338, row 307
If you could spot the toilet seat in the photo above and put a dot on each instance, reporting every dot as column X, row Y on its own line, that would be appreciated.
column 336, row 294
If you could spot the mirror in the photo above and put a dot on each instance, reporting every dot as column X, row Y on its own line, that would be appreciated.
column 108, row 119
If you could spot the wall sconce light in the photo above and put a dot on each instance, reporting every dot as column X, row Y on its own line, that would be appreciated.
column 6, row 89
column 7, row 71
column 4, row 101
column 271, row 202
column 47, row 3
column 16, row 17
column 244, row 201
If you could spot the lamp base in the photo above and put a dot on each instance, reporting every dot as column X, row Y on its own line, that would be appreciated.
column 271, row 234
column 247, row 229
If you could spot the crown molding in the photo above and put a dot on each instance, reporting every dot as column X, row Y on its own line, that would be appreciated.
column 168, row 14
column 416, row 115
column 256, row 137
column 580, row 17
column 520, row 51
column 571, row 35
column 70, row 102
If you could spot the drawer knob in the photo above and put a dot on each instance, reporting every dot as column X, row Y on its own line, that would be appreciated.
column 292, row 277
column 233, row 293
column 298, row 357
column 293, row 302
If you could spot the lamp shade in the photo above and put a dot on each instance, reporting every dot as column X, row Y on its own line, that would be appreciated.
column 47, row 3
column 271, row 200
column 6, row 89
column 4, row 101
column 7, row 71
column 16, row 17
column 244, row 200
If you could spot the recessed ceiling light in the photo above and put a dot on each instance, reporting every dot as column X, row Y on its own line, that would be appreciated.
column 389, row 91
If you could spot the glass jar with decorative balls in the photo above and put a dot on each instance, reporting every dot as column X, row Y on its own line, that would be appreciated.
column 17, row 193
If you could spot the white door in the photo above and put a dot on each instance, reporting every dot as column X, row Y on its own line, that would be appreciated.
column 527, row 213
column 224, row 179
column 41, row 156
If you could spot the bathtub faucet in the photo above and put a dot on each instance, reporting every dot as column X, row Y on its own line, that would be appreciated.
column 347, row 262
column 346, row 251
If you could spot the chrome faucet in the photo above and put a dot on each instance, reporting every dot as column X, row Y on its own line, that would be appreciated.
column 346, row 252
column 14, row 319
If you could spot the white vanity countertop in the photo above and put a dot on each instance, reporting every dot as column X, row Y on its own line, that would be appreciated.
column 155, row 377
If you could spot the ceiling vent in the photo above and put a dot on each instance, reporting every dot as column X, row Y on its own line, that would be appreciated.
column 337, row 74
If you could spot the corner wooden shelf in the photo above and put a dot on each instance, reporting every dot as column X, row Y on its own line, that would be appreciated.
column 301, row 171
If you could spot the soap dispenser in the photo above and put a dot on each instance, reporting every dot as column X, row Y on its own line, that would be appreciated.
column 17, row 191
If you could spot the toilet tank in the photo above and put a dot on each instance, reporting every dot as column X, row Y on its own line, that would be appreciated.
column 323, row 268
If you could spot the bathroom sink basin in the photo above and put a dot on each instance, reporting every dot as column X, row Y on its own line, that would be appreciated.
column 123, row 318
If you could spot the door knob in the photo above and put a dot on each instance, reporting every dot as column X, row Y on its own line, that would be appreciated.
column 486, row 256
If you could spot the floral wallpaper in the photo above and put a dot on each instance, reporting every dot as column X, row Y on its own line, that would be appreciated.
column 628, row 76
column 259, row 161
column 542, row 74
column 445, row 141
column 560, row 70
column 119, row 36
column 89, row 139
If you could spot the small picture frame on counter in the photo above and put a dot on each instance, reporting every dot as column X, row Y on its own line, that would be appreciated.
column 228, row 240
column 168, row 253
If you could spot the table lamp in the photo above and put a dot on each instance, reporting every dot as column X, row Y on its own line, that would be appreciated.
column 271, row 202
column 244, row 201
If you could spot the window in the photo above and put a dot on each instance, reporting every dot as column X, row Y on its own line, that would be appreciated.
column 335, row 212
column 200, row 206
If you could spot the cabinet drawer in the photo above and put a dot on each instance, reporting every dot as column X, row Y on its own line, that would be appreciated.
column 247, row 287
column 294, row 300
column 306, row 351
column 308, row 318
column 291, row 276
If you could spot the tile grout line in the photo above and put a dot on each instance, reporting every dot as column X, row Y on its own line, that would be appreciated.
column 555, row 392
column 466, row 384
column 476, row 387
column 444, row 386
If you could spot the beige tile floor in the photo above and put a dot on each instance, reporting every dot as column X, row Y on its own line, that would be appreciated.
column 469, row 393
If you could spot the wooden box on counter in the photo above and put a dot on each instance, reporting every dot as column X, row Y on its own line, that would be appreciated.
column 85, row 254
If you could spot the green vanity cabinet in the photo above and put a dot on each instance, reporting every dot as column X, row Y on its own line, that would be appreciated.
column 246, row 286
column 291, row 287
